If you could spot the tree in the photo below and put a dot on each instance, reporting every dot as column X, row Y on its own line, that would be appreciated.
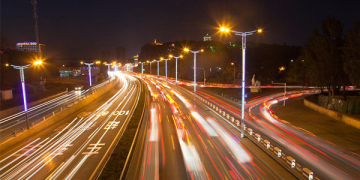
column 323, row 56
column 352, row 54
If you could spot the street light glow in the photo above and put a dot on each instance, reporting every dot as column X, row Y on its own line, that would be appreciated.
column 38, row 62
column 7, row 64
column 186, row 49
column 224, row 29
column 81, row 62
column 259, row 30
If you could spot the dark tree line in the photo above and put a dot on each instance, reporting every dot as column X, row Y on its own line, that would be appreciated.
column 330, row 59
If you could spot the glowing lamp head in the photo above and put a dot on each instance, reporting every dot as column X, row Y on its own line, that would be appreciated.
column 186, row 49
column 7, row 65
column 81, row 62
column 170, row 56
column 181, row 56
column 259, row 30
column 201, row 50
column 232, row 64
column 38, row 62
column 161, row 59
column 224, row 29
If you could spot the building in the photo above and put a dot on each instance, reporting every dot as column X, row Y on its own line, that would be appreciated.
column 6, row 92
column 136, row 60
column 156, row 43
column 120, row 54
column 105, row 55
column 207, row 37
column 27, row 46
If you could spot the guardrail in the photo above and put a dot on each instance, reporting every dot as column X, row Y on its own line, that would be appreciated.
column 275, row 152
column 86, row 93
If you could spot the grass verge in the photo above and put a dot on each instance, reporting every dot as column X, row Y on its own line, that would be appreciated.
column 116, row 162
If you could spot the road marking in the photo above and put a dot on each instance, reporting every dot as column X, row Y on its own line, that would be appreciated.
column 112, row 125
column 172, row 140
column 210, row 144
column 94, row 149
column 120, row 113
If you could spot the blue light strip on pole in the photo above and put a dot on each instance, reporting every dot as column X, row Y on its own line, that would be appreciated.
column 24, row 96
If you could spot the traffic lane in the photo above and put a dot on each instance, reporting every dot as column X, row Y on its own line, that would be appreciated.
column 92, row 106
column 171, row 160
column 172, row 163
column 94, row 151
column 17, row 121
column 294, row 141
column 24, row 149
column 271, row 168
column 329, row 161
column 257, row 168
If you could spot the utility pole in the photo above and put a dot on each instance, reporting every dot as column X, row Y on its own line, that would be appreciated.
column 36, row 28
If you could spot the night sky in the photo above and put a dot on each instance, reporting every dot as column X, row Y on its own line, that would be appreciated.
column 82, row 29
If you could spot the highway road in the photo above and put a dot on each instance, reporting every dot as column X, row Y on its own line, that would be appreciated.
column 16, row 121
column 185, row 140
column 77, row 147
column 327, row 161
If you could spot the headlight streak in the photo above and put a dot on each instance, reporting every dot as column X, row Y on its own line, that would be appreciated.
column 71, row 137
column 295, row 147
column 72, row 173
column 67, row 98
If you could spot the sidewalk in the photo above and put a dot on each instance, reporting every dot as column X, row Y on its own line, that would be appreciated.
column 326, row 128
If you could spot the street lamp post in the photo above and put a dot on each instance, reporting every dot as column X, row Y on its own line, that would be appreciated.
column 176, row 67
column 284, row 89
column 142, row 67
column 234, row 71
column 194, row 52
column 204, row 74
column 21, row 68
column 89, row 66
column 158, row 67
column 166, row 68
column 243, row 35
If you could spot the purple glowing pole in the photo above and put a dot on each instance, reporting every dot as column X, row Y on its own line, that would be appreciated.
column 89, row 66
column 21, row 68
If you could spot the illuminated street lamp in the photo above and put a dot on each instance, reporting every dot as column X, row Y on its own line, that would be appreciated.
column 142, row 67
column 194, row 52
column 22, row 78
column 166, row 68
column 89, row 66
column 243, row 35
column 7, row 64
column 176, row 69
column 38, row 62
column 158, row 65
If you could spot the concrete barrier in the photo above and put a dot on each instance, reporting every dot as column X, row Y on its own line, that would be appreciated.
column 58, row 118
column 351, row 121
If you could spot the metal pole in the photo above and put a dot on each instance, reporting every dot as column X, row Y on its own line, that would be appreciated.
column 158, row 68
column 194, row 76
column 166, row 68
column 176, row 58
column 243, row 85
column 89, row 66
column 234, row 73
column 142, row 68
column 204, row 76
column 284, row 94
column 22, row 78
column 36, row 28
column 150, row 67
